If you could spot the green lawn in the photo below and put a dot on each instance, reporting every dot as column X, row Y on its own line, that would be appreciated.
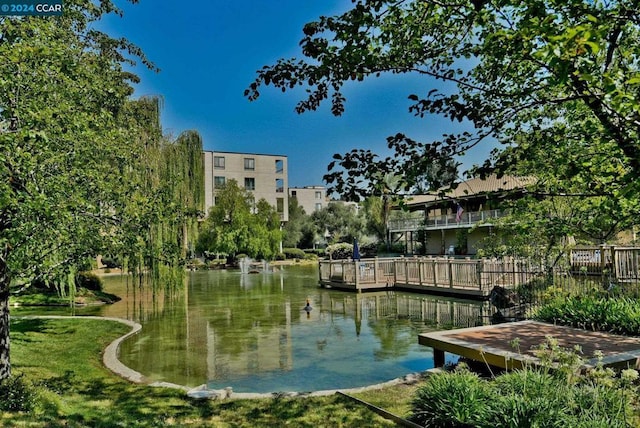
column 62, row 358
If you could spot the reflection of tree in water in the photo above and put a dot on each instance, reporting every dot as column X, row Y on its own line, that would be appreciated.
column 395, row 336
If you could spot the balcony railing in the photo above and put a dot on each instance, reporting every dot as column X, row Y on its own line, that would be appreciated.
column 446, row 221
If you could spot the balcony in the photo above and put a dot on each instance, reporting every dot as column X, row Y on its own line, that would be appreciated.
column 446, row 221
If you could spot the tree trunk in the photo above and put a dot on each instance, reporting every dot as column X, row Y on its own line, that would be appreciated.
column 5, row 364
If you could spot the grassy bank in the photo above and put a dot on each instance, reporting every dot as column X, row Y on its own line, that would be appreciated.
column 62, row 359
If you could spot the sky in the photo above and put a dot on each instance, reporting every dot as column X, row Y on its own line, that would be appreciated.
column 208, row 52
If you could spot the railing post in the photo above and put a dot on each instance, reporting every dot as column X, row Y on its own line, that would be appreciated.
column 395, row 272
column 406, row 271
column 434, row 265
column 450, row 273
column 614, row 268
column 356, row 274
column 420, row 273
column 375, row 270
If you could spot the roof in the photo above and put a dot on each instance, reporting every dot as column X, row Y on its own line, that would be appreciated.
column 475, row 186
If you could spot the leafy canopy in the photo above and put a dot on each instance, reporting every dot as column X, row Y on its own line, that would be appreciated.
column 237, row 224
column 514, row 70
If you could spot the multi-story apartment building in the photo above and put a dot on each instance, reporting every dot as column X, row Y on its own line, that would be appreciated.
column 266, row 176
column 310, row 198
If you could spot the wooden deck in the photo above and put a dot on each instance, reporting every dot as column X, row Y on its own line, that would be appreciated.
column 493, row 344
column 467, row 278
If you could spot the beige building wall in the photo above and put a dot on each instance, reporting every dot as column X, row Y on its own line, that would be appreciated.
column 311, row 198
column 266, row 176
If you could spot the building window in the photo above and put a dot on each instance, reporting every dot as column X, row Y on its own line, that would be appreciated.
column 280, row 205
column 279, row 166
column 218, row 181
column 249, row 164
column 294, row 193
column 218, row 162
column 318, row 207
column 250, row 183
column 279, row 185
column 318, row 195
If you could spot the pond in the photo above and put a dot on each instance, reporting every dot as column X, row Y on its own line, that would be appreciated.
column 251, row 331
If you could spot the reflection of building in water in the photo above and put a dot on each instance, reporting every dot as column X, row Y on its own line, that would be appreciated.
column 267, row 348
column 229, row 339
column 435, row 312
column 264, row 346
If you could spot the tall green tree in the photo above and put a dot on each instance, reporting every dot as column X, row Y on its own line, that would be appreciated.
column 511, row 68
column 341, row 222
column 85, row 170
column 299, row 231
column 62, row 86
column 237, row 224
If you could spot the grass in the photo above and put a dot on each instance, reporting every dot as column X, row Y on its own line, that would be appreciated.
column 63, row 360
column 50, row 297
column 395, row 399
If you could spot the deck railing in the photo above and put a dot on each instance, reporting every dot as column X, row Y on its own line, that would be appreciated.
column 444, row 221
column 478, row 275
column 615, row 263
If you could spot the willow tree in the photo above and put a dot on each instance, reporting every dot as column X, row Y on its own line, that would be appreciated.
column 161, row 195
column 62, row 86
column 503, row 68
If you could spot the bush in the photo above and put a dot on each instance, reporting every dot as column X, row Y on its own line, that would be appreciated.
column 319, row 252
column 217, row 264
column 17, row 395
column 310, row 256
column 619, row 315
column 556, row 394
column 529, row 397
column 340, row 251
column 89, row 281
column 458, row 399
column 110, row 263
column 293, row 253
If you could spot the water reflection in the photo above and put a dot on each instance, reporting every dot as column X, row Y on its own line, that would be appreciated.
column 252, row 332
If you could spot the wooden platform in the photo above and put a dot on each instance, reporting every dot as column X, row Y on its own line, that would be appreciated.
column 493, row 344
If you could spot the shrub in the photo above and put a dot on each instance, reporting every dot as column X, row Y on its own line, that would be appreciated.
column 340, row 251
column 616, row 315
column 369, row 249
column 458, row 399
column 111, row 263
column 89, row 281
column 217, row 264
column 17, row 395
column 553, row 395
column 293, row 253
column 318, row 252
column 528, row 397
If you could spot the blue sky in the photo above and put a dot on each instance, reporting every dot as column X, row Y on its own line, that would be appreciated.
column 208, row 52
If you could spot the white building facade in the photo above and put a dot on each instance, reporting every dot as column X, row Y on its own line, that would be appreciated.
column 310, row 198
column 266, row 176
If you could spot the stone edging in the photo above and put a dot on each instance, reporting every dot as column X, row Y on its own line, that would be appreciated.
column 111, row 361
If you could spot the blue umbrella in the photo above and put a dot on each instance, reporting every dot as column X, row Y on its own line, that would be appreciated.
column 356, row 250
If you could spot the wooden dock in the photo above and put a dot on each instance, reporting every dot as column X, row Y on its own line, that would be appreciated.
column 493, row 344
column 468, row 278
